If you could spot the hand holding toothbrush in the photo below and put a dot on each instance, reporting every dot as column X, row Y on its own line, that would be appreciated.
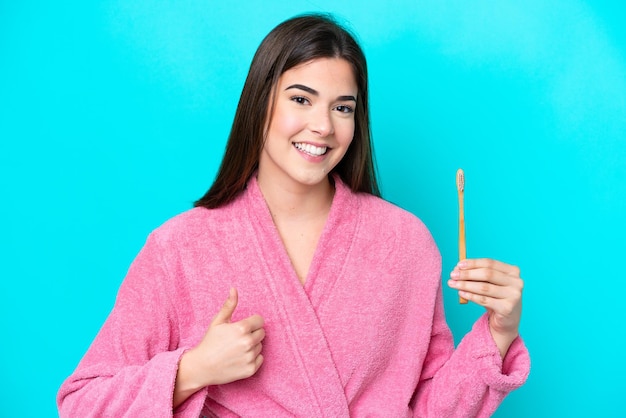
column 498, row 287
column 495, row 285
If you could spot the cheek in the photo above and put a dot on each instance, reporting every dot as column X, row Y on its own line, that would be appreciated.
column 285, row 123
column 344, row 132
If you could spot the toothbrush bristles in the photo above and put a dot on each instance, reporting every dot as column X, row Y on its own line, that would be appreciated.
column 460, row 180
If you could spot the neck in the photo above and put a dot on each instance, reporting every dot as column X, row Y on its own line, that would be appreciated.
column 297, row 202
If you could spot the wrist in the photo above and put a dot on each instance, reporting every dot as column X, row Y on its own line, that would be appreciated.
column 187, row 382
column 503, row 340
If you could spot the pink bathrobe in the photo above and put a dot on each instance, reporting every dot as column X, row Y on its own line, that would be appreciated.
column 365, row 335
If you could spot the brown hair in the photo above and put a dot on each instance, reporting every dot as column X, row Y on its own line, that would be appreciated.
column 295, row 41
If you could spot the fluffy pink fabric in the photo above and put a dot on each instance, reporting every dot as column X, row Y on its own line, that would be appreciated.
column 365, row 336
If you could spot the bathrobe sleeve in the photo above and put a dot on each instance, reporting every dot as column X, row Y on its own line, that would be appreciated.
column 472, row 380
column 130, row 368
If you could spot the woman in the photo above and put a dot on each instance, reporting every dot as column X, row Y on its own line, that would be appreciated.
column 333, row 296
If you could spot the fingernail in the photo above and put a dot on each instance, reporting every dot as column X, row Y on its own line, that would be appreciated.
column 452, row 283
column 462, row 264
column 455, row 274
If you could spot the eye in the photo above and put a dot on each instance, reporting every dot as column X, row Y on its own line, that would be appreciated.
column 344, row 109
column 300, row 100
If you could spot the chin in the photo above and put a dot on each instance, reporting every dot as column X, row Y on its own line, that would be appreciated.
column 313, row 179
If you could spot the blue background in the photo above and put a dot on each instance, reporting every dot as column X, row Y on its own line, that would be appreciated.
column 114, row 116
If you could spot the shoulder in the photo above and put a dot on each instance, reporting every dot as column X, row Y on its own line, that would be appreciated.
column 389, row 216
column 195, row 225
column 399, row 234
column 389, row 221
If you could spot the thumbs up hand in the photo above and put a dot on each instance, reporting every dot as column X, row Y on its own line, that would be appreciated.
column 231, row 351
column 228, row 351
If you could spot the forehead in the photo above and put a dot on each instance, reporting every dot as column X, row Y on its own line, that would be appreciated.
column 322, row 74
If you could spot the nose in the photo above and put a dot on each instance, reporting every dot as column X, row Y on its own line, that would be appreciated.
column 321, row 123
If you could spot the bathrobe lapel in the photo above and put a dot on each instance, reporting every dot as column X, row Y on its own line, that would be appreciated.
column 296, row 304
column 333, row 247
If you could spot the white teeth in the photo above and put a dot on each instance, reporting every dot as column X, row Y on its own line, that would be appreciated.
column 311, row 149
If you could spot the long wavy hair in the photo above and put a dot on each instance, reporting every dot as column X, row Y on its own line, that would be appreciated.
column 293, row 42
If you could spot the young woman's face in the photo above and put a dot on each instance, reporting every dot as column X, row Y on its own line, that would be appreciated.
column 312, row 125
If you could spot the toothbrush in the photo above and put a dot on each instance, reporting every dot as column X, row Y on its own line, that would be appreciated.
column 460, row 187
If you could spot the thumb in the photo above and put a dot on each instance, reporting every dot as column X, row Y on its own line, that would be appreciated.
column 226, row 312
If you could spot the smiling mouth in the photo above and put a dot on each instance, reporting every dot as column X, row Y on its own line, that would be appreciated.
column 311, row 149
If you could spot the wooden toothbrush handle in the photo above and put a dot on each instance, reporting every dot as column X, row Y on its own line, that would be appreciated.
column 462, row 249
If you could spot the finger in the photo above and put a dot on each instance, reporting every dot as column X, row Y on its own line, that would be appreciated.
column 482, row 300
column 258, row 336
column 508, row 269
column 256, row 350
column 226, row 312
column 481, row 288
column 503, row 307
column 258, row 361
column 486, row 275
column 251, row 323
column 249, row 342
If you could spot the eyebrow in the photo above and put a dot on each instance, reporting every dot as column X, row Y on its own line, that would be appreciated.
column 316, row 93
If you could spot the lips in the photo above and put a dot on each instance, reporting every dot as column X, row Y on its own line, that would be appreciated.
column 311, row 149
